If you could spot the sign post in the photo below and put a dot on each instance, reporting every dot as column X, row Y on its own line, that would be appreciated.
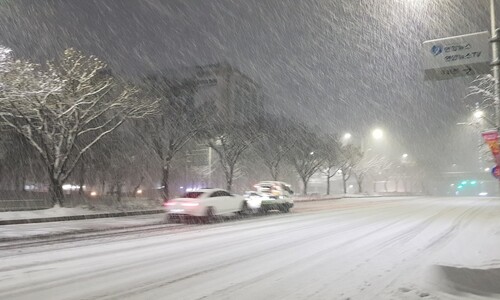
column 463, row 55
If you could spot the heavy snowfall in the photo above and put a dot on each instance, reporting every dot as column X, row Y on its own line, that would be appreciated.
column 249, row 149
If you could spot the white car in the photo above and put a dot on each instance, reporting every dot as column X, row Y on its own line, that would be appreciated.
column 206, row 204
column 276, row 195
column 254, row 200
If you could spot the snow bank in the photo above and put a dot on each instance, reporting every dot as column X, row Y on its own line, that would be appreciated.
column 476, row 281
column 126, row 205
column 45, row 213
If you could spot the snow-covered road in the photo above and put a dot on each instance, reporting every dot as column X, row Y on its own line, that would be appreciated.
column 409, row 248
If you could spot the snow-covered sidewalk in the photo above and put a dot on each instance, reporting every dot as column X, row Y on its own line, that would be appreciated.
column 34, row 230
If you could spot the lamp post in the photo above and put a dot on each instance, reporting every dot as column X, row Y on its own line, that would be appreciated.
column 495, row 39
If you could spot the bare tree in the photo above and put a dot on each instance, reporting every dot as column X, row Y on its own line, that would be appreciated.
column 367, row 165
column 176, row 122
column 230, row 140
column 58, row 106
column 332, row 159
column 276, row 140
column 350, row 157
column 306, row 154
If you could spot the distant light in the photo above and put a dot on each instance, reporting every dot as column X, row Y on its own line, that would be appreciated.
column 452, row 184
column 405, row 155
column 464, row 182
column 486, row 169
column 478, row 114
column 139, row 192
column 351, row 186
column 377, row 134
column 347, row 136
column 483, row 194
column 70, row 187
column 460, row 187
column 181, row 187
column 473, row 182
column 312, row 153
column 93, row 193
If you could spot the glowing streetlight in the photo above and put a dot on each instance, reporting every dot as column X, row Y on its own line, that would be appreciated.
column 405, row 155
column 478, row 114
column 377, row 134
column 347, row 136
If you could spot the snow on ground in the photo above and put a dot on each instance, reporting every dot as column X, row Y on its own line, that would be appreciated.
column 45, row 213
column 418, row 248
column 33, row 230
column 75, row 211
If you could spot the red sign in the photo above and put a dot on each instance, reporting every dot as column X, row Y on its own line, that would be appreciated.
column 491, row 139
column 496, row 172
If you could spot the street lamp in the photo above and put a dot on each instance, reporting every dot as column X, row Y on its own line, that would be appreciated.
column 478, row 114
column 377, row 133
column 347, row 136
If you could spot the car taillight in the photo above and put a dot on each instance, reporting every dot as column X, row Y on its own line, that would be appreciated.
column 190, row 204
column 168, row 203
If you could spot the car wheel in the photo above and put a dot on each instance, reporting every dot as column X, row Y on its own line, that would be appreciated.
column 285, row 208
column 245, row 210
column 210, row 216
column 167, row 219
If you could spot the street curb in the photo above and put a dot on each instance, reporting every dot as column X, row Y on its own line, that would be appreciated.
column 82, row 217
column 320, row 199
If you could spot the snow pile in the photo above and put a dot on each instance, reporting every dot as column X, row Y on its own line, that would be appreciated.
column 458, row 280
column 45, row 213
column 127, row 204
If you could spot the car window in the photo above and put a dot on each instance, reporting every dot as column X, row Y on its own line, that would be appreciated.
column 215, row 194
column 192, row 195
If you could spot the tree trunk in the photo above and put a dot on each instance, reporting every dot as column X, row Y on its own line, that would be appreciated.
column 360, row 186
column 328, row 182
column 103, row 187
column 344, row 182
column 164, row 180
column 274, row 172
column 328, row 185
column 17, row 182
column 56, row 192
column 23, row 182
column 304, row 182
column 229, row 179
column 136, row 188
column 81, row 179
column 119, row 191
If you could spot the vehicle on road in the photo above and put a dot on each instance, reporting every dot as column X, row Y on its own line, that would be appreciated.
column 254, row 199
column 275, row 195
column 206, row 204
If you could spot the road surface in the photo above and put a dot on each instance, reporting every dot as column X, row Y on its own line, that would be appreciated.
column 385, row 248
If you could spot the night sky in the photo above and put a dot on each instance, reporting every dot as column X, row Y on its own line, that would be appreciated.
column 341, row 65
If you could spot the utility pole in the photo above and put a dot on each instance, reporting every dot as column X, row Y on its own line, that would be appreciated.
column 495, row 40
